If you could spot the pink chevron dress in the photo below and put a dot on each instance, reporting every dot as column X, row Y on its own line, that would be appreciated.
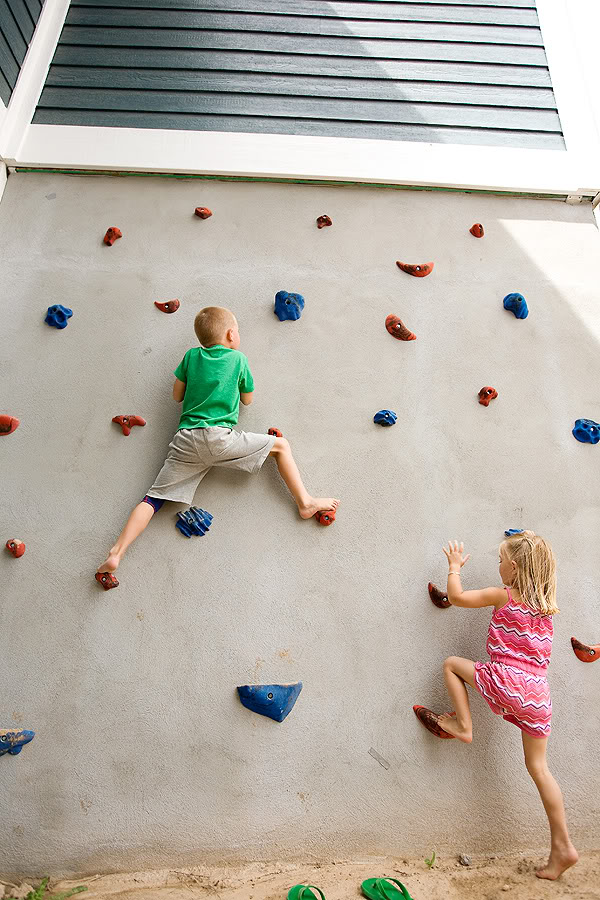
column 514, row 683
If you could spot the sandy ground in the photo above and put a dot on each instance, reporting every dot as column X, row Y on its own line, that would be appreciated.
column 487, row 878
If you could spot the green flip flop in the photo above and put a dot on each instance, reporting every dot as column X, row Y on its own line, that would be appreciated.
column 305, row 892
column 384, row 889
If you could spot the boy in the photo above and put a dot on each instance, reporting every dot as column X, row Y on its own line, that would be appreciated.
column 211, row 380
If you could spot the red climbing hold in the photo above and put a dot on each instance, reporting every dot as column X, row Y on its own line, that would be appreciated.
column 107, row 580
column 585, row 653
column 127, row 422
column 170, row 306
column 275, row 431
column 8, row 424
column 398, row 329
column 438, row 598
column 322, row 221
column 202, row 212
column 325, row 517
column 430, row 720
column 418, row 271
column 112, row 235
column 477, row 230
column 486, row 394
column 16, row 547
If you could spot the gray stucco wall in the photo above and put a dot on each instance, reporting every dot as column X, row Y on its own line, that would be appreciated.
column 143, row 755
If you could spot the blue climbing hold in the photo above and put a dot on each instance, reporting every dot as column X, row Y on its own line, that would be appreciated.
column 275, row 701
column 288, row 306
column 385, row 417
column 12, row 741
column 58, row 315
column 193, row 521
column 587, row 431
column 517, row 304
column 510, row 531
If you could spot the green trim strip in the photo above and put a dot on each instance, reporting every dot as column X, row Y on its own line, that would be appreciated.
column 314, row 181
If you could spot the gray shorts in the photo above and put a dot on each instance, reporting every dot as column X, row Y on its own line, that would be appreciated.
column 193, row 451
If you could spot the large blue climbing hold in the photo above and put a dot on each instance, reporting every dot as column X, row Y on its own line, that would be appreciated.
column 510, row 531
column 587, row 431
column 58, row 315
column 13, row 741
column 288, row 306
column 517, row 304
column 385, row 417
column 275, row 701
column 193, row 521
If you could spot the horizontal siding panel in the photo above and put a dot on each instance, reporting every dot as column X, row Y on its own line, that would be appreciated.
column 361, row 28
column 308, row 127
column 395, row 12
column 289, row 5
column 297, row 107
column 5, row 89
column 300, row 85
column 282, row 43
column 35, row 8
column 23, row 19
column 11, row 32
column 295, row 64
column 8, row 64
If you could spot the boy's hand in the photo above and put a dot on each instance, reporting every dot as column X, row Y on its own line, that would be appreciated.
column 454, row 555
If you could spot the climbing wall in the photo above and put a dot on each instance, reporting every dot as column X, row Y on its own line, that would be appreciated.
column 143, row 754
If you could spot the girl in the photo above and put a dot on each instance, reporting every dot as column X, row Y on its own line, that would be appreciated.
column 514, row 682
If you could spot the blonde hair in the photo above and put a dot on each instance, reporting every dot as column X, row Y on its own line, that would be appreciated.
column 535, row 578
column 212, row 324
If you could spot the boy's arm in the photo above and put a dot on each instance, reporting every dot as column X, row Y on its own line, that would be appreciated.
column 178, row 390
column 246, row 398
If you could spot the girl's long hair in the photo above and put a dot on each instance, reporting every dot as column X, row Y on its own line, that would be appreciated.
column 535, row 578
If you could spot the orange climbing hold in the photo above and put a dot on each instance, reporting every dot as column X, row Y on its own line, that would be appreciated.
column 170, row 306
column 127, row 422
column 584, row 652
column 8, row 424
column 16, row 547
column 486, row 394
column 325, row 517
column 112, row 235
column 203, row 212
column 429, row 720
column 275, row 431
column 322, row 221
column 419, row 271
column 107, row 580
column 477, row 230
column 438, row 598
column 398, row 329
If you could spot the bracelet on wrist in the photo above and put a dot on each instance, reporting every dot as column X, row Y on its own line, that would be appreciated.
column 453, row 573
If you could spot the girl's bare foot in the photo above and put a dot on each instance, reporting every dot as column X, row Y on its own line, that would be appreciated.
column 316, row 504
column 450, row 724
column 111, row 564
column 560, row 860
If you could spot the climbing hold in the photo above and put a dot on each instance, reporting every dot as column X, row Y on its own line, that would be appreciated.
column 127, row 422
column 107, row 580
column 322, row 221
column 288, row 306
column 438, row 598
column 398, row 329
column 13, row 741
column 325, row 516
column 58, row 316
column 16, row 547
column 170, row 306
column 418, row 271
column 275, row 701
column 193, row 521
column 8, row 424
column 516, row 304
column 486, row 394
column 587, row 431
column 203, row 212
column 510, row 531
column 585, row 653
column 430, row 720
column 385, row 417
column 477, row 230
column 275, row 431
column 112, row 235
column 464, row 860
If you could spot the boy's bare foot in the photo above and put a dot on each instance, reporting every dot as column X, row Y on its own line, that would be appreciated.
column 316, row 504
column 111, row 563
column 449, row 723
column 560, row 860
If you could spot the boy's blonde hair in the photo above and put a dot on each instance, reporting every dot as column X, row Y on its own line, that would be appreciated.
column 535, row 578
column 212, row 324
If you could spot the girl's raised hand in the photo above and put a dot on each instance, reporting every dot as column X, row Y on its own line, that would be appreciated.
column 454, row 554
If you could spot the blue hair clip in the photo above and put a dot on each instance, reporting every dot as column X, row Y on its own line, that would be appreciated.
column 510, row 531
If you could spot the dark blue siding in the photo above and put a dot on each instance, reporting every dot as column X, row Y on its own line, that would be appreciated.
column 18, row 19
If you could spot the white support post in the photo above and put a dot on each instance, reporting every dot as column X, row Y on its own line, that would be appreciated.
column 3, row 178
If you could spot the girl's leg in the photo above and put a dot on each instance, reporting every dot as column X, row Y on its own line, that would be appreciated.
column 458, row 672
column 307, row 505
column 137, row 521
column 562, row 852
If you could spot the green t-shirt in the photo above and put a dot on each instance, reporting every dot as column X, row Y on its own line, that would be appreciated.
column 214, row 378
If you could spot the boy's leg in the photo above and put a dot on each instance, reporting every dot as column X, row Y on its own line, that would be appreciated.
column 137, row 521
column 307, row 505
column 457, row 672
column 562, row 852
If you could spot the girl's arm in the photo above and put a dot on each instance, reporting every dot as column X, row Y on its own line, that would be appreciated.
column 492, row 596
